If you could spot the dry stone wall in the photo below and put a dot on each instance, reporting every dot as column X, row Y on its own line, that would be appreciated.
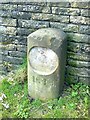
column 18, row 20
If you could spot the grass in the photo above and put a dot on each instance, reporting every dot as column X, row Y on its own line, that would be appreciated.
column 16, row 103
column 72, row 104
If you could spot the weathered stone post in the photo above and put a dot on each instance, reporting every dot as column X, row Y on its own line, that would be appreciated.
column 46, row 63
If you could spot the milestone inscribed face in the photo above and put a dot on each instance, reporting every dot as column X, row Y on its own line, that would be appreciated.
column 44, row 61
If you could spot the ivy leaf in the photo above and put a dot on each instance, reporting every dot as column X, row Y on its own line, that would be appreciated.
column 74, row 94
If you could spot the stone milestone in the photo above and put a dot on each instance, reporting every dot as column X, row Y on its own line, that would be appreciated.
column 46, row 63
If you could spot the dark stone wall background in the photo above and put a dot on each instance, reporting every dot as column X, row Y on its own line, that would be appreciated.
column 18, row 20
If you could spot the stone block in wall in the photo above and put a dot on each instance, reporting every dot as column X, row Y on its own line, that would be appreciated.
column 70, row 28
column 59, row 11
column 78, row 63
column 11, row 39
column 85, row 12
column 33, row 24
column 13, row 47
column 84, row 29
column 8, row 22
column 23, row 15
column 41, row 16
column 6, row 39
column 83, row 72
column 15, row 14
column 75, row 79
column 78, row 47
column 65, row 11
column 80, row 4
column 8, row 47
column 78, row 56
column 43, row 3
column 4, row 52
column 24, row 31
column 8, row 7
column 60, row 4
column 34, row 8
column 21, row 48
column 13, row 60
column 7, row 30
column 9, row 14
column 16, row 54
column 46, row 9
column 80, row 20
column 50, row 17
column 83, row 38
column 64, row 27
column 21, row 40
